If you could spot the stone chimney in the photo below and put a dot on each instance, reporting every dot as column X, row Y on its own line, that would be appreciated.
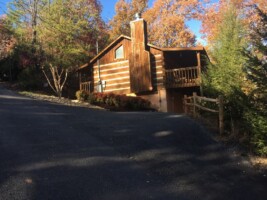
column 140, row 72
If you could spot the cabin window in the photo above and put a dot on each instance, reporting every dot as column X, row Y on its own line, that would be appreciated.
column 119, row 52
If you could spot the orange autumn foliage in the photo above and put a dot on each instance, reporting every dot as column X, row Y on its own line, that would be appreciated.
column 125, row 11
column 166, row 22
column 214, row 12
column 7, row 41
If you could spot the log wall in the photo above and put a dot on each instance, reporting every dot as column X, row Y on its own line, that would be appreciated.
column 114, row 72
column 157, row 71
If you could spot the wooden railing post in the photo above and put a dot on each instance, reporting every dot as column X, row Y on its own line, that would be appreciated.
column 221, row 123
column 86, row 86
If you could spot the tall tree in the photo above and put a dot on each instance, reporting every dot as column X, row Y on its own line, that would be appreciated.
column 125, row 11
column 225, row 75
column 166, row 22
column 256, row 69
column 236, row 34
column 226, row 72
column 257, row 63
column 66, row 34
column 23, row 14
column 7, row 42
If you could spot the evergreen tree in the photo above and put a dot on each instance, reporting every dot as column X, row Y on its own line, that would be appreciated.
column 257, row 63
column 256, row 69
column 245, row 103
column 225, row 74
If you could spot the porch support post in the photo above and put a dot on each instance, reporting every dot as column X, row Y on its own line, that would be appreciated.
column 199, row 72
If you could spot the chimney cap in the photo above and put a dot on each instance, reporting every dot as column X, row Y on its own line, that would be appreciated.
column 137, row 16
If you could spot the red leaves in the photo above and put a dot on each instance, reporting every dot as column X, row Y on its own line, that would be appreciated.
column 114, row 101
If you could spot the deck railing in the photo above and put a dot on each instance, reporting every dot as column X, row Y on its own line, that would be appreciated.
column 86, row 86
column 182, row 77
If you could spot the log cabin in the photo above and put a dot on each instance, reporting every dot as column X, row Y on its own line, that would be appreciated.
column 132, row 66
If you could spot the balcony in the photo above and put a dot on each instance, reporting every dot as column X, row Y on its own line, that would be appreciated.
column 182, row 77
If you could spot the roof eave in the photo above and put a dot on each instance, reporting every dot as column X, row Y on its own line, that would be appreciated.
column 155, row 47
column 82, row 67
column 198, row 48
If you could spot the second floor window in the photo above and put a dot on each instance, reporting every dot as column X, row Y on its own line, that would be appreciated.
column 119, row 52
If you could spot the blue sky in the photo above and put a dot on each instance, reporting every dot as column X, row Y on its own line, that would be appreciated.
column 109, row 10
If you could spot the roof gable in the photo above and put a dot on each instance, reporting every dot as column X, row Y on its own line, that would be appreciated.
column 107, row 48
column 110, row 46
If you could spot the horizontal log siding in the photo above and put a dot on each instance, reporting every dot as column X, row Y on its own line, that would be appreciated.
column 154, row 51
column 157, row 71
column 114, row 71
column 116, row 75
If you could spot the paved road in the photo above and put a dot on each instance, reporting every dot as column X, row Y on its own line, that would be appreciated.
column 50, row 151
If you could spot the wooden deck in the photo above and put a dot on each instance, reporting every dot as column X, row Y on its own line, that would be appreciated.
column 182, row 77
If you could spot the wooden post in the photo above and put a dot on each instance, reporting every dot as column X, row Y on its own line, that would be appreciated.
column 199, row 72
column 221, row 124
column 185, row 106
column 194, row 102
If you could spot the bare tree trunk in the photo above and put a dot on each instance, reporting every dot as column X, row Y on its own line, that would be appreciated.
column 59, row 79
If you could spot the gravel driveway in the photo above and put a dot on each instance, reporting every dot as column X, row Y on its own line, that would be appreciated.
column 52, row 151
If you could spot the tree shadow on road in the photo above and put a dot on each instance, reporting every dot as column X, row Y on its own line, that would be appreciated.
column 51, row 151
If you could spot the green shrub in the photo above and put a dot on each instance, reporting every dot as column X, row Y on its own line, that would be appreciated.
column 246, row 120
column 257, row 124
column 82, row 95
column 30, row 79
